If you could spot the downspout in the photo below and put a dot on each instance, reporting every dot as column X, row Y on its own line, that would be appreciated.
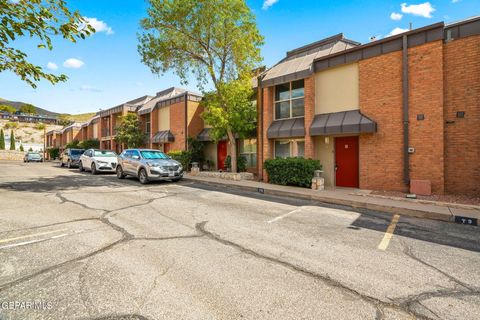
column 260, row 128
column 406, row 156
column 186, row 121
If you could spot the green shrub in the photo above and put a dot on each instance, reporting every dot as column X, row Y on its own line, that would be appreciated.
column 73, row 145
column 241, row 163
column 40, row 126
column 292, row 171
column 21, row 148
column 89, row 144
column 11, row 125
column 184, row 157
column 54, row 153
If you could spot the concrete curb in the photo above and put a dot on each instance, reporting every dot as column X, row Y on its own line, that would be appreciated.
column 351, row 203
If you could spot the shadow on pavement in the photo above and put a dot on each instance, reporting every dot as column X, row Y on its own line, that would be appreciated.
column 439, row 232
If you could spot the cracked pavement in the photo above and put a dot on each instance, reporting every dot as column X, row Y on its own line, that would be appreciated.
column 95, row 247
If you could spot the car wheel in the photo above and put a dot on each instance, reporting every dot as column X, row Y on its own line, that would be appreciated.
column 120, row 174
column 80, row 166
column 176, row 179
column 94, row 169
column 142, row 176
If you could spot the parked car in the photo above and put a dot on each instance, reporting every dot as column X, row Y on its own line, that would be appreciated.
column 98, row 161
column 71, row 157
column 33, row 157
column 148, row 165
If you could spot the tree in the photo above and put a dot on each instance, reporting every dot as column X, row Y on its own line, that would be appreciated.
column 73, row 144
column 7, row 108
column 21, row 148
column 2, row 140
column 89, row 144
column 64, row 119
column 129, row 132
column 42, row 20
column 28, row 109
column 218, row 41
column 12, row 140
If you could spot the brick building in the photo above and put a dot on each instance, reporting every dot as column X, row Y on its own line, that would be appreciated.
column 111, row 118
column 395, row 113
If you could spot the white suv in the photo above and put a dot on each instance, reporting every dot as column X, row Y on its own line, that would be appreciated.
column 98, row 161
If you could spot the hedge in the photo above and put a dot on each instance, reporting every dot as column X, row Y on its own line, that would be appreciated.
column 292, row 171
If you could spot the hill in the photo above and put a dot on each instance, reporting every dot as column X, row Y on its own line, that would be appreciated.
column 73, row 117
column 18, row 104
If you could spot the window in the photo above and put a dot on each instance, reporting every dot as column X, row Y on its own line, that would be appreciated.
column 248, row 149
column 147, row 123
column 290, row 100
column 289, row 148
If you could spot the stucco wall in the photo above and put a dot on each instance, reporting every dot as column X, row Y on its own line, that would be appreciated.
column 337, row 89
column 325, row 152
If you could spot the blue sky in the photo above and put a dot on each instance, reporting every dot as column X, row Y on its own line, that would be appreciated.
column 105, row 70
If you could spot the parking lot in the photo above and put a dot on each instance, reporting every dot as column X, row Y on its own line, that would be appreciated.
column 79, row 246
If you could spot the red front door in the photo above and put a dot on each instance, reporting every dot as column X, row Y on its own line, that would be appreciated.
column 221, row 154
column 346, row 160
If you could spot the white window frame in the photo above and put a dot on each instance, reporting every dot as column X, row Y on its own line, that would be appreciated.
column 290, row 99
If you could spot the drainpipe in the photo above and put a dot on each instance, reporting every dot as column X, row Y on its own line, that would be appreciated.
column 260, row 129
column 186, row 121
column 406, row 160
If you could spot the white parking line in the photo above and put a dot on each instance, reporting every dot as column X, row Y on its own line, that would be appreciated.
column 284, row 215
column 31, row 235
column 32, row 241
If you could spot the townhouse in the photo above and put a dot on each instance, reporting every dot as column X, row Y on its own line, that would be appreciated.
column 90, row 129
column 53, row 140
column 110, row 119
column 401, row 113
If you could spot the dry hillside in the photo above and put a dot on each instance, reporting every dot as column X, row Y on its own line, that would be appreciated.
column 27, row 132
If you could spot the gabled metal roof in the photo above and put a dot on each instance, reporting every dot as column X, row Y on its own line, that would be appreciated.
column 298, row 62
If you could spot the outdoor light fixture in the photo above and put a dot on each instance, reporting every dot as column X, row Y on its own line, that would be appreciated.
column 460, row 114
column 420, row 116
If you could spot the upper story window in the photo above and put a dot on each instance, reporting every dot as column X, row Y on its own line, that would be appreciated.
column 290, row 100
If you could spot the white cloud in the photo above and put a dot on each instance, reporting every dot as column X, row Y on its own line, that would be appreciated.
column 73, row 63
column 99, row 25
column 396, row 16
column 423, row 10
column 455, row 1
column 268, row 3
column 52, row 66
column 86, row 87
column 396, row 31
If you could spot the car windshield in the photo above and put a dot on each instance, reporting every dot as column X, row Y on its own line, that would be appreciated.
column 77, row 152
column 154, row 155
column 34, row 155
column 103, row 153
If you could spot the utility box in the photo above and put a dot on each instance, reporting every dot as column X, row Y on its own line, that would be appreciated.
column 421, row 187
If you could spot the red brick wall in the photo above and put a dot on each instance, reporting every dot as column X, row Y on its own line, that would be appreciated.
column 177, row 125
column 381, row 153
column 462, row 93
column 267, row 147
column 426, row 97
column 380, row 95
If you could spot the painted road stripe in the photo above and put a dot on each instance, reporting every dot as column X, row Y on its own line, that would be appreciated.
column 389, row 233
column 19, row 244
column 31, row 235
column 284, row 215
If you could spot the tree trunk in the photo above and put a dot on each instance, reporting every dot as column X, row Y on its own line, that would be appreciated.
column 233, row 151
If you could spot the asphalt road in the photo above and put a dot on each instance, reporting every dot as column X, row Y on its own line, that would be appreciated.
column 77, row 246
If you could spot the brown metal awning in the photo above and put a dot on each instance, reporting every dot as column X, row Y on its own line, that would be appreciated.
column 342, row 122
column 163, row 137
column 286, row 128
column 204, row 135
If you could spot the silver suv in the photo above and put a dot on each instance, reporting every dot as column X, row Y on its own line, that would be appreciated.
column 148, row 165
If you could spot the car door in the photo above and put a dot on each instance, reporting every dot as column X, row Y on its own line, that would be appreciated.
column 126, row 161
column 87, row 158
column 135, row 161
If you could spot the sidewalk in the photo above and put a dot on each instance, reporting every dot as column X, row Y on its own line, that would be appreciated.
column 354, row 198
